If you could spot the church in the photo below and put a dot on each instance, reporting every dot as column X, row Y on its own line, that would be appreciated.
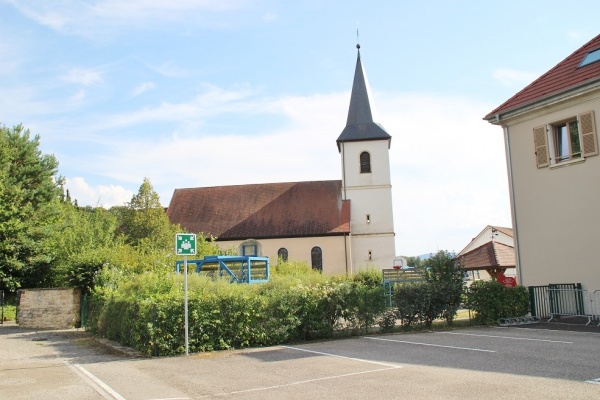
column 336, row 226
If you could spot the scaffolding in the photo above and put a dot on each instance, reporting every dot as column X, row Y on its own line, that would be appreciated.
column 239, row 269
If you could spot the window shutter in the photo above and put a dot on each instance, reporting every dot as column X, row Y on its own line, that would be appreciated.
column 587, row 127
column 541, row 146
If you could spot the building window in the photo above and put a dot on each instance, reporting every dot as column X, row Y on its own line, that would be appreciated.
column 365, row 163
column 282, row 254
column 567, row 140
column 590, row 58
column 250, row 248
column 316, row 258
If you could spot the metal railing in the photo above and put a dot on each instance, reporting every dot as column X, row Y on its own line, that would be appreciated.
column 570, row 302
column 539, row 298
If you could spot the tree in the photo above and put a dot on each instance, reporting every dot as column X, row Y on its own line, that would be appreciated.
column 30, row 192
column 145, row 222
column 447, row 279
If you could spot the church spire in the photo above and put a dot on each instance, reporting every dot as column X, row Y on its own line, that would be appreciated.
column 360, row 125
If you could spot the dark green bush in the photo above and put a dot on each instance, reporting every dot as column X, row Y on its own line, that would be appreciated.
column 491, row 300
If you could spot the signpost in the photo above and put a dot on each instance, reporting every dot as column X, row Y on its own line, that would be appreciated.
column 185, row 245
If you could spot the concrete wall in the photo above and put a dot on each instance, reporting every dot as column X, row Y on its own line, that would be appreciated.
column 49, row 308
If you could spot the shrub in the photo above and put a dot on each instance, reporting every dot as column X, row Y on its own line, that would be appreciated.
column 491, row 301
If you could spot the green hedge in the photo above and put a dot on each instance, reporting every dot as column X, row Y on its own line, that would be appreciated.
column 491, row 301
column 147, row 312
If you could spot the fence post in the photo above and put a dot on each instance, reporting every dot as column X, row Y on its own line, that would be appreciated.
column 532, row 304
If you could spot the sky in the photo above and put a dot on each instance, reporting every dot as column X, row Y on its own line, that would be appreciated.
column 196, row 93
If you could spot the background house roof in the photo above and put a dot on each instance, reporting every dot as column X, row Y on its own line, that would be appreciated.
column 487, row 230
column 565, row 76
column 489, row 255
column 262, row 210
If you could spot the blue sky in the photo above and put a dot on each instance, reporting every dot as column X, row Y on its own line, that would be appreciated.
column 220, row 92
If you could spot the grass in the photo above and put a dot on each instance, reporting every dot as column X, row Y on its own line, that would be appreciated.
column 10, row 313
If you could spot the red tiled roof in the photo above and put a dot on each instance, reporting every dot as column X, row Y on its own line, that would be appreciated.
column 564, row 76
column 488, row 255
column 262, row 210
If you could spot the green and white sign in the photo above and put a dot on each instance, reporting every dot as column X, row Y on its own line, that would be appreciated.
column 185, row 244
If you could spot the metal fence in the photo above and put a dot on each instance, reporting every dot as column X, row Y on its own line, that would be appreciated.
column 540, row 300
column 556, row 300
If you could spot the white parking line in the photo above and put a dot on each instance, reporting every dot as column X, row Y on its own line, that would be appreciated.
column 594, row 381
column 504, row 337
column 102, row 388
column 429, row 344
column 338, row 356
column 301, row 382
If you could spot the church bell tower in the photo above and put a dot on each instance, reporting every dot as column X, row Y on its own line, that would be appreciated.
column 364, row 148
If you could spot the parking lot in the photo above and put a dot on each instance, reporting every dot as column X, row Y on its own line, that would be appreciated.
column 514, row 362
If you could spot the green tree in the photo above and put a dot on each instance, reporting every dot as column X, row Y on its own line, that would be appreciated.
column 414, row 262
column 145, row 222
column 446, row 277
column 81, row 241
column 30, row 193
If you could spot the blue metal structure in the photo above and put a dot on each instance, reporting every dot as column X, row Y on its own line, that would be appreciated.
column 240, row 269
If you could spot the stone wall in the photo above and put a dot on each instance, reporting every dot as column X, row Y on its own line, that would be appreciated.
column 49, row 308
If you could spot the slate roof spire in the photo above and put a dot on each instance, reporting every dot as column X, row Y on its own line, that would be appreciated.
column 360, row 125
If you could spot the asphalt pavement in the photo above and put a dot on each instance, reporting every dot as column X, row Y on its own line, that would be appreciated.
column 532, row 362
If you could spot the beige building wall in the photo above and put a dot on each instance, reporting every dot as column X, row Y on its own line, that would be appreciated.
column 556, row 211
column 485, row 236
column 299, row 249
column 371, row 208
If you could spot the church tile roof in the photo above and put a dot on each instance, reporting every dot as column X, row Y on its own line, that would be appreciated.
column 256, row 211
column 360, row 125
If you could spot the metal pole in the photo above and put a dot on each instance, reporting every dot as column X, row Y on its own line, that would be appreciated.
column 185, row 301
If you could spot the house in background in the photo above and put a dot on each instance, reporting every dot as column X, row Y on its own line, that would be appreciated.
column 554, row 171
column 489, row 253
column 336, row 226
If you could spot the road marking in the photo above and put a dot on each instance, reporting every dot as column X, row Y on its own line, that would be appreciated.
column 301, row 382
column 594, row 381
column 347, row 358
column 429, row 344
column 105, row 391
column 505, row 337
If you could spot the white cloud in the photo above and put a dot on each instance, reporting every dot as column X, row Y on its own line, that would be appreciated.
column 447, row 164
column 509, row 77
column 82, row 76
column 83, row 18
column 100, row 195
column 142, row 88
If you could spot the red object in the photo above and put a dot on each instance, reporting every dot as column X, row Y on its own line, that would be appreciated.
column 507, row 281
column 397, row 266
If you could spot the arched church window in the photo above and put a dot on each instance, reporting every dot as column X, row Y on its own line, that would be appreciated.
column 365, row 163
column 282, row 254
column 316, row 258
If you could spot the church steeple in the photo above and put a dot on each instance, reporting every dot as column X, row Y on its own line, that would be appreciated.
column 360, row 125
